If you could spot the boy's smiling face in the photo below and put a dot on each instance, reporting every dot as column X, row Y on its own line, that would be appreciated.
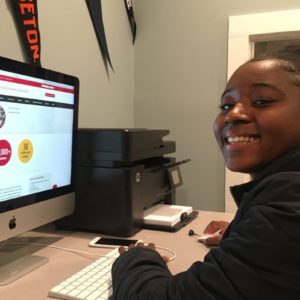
column 259, row 118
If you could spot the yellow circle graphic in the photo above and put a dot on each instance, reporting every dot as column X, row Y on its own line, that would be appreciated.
column 25, row 151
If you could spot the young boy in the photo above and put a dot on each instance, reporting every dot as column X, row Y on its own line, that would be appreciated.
column 258, row 131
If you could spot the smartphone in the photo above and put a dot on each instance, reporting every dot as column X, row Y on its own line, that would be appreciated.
column 111, row 242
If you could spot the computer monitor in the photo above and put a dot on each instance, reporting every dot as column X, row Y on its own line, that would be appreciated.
column 38, row 124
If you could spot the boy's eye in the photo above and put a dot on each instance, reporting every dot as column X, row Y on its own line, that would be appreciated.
column 226, row 106
column 262, row 102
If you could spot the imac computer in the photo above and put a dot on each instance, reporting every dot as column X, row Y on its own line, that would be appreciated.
column 38, row 125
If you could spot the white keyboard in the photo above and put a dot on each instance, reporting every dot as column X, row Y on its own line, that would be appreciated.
column 93, row 282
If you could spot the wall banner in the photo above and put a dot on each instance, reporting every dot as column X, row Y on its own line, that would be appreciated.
column 26, row 18
column 95, row 11
column 131, row 19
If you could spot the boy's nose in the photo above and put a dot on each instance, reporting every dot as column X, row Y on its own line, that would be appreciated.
column 239, row 113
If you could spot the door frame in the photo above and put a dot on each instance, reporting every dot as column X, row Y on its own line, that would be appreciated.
column 243, row 32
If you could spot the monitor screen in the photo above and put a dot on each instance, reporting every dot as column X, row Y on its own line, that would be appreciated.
column 38, row 123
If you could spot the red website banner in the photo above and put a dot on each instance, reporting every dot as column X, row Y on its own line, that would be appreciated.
column 35, row 84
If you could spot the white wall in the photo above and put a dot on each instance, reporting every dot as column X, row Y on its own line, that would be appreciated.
column 180, row 72
column 69, row 45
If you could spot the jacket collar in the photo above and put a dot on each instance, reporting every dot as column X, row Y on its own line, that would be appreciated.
column 288, row 162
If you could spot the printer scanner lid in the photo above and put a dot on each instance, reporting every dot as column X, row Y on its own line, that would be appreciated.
column 107, row 146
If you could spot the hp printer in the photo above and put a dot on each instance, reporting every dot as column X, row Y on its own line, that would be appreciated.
column 120, row 173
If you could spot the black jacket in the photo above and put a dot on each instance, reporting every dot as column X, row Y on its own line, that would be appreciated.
column 258, row 257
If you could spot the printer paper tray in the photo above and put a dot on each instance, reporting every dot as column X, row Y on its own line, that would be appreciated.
column 168, row 217
column 175, row 227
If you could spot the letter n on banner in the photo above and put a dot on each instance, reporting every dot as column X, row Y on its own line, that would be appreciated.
column 26, row 19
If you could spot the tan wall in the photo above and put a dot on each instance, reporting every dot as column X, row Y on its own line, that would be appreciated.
column 170, row 79
column 69, row 45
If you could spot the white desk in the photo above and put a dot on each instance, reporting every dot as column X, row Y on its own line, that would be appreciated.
column 62, row 264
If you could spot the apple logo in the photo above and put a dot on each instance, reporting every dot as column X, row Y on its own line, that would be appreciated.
column 12, row 223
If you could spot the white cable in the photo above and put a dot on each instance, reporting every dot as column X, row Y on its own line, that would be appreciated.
column 168, row 250
column 80, row 252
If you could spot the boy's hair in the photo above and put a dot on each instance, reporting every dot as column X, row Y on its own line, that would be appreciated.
column 288, row 60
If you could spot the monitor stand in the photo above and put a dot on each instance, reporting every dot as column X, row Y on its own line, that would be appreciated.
column 18, row 257
column 12, row 267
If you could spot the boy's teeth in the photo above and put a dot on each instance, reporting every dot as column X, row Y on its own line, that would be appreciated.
column 237, row 139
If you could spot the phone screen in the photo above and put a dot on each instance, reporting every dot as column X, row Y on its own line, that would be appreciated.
column 114, row 242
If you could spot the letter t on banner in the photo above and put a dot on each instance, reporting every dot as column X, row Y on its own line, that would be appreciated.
column 26, row 18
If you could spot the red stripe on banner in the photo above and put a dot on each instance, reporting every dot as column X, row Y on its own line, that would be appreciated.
column 25, row 13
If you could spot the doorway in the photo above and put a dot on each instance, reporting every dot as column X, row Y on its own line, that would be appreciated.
column 248, row 37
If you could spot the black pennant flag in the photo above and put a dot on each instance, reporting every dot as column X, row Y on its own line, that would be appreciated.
column 26, row 18
column 129, row 9
column 95, row 11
